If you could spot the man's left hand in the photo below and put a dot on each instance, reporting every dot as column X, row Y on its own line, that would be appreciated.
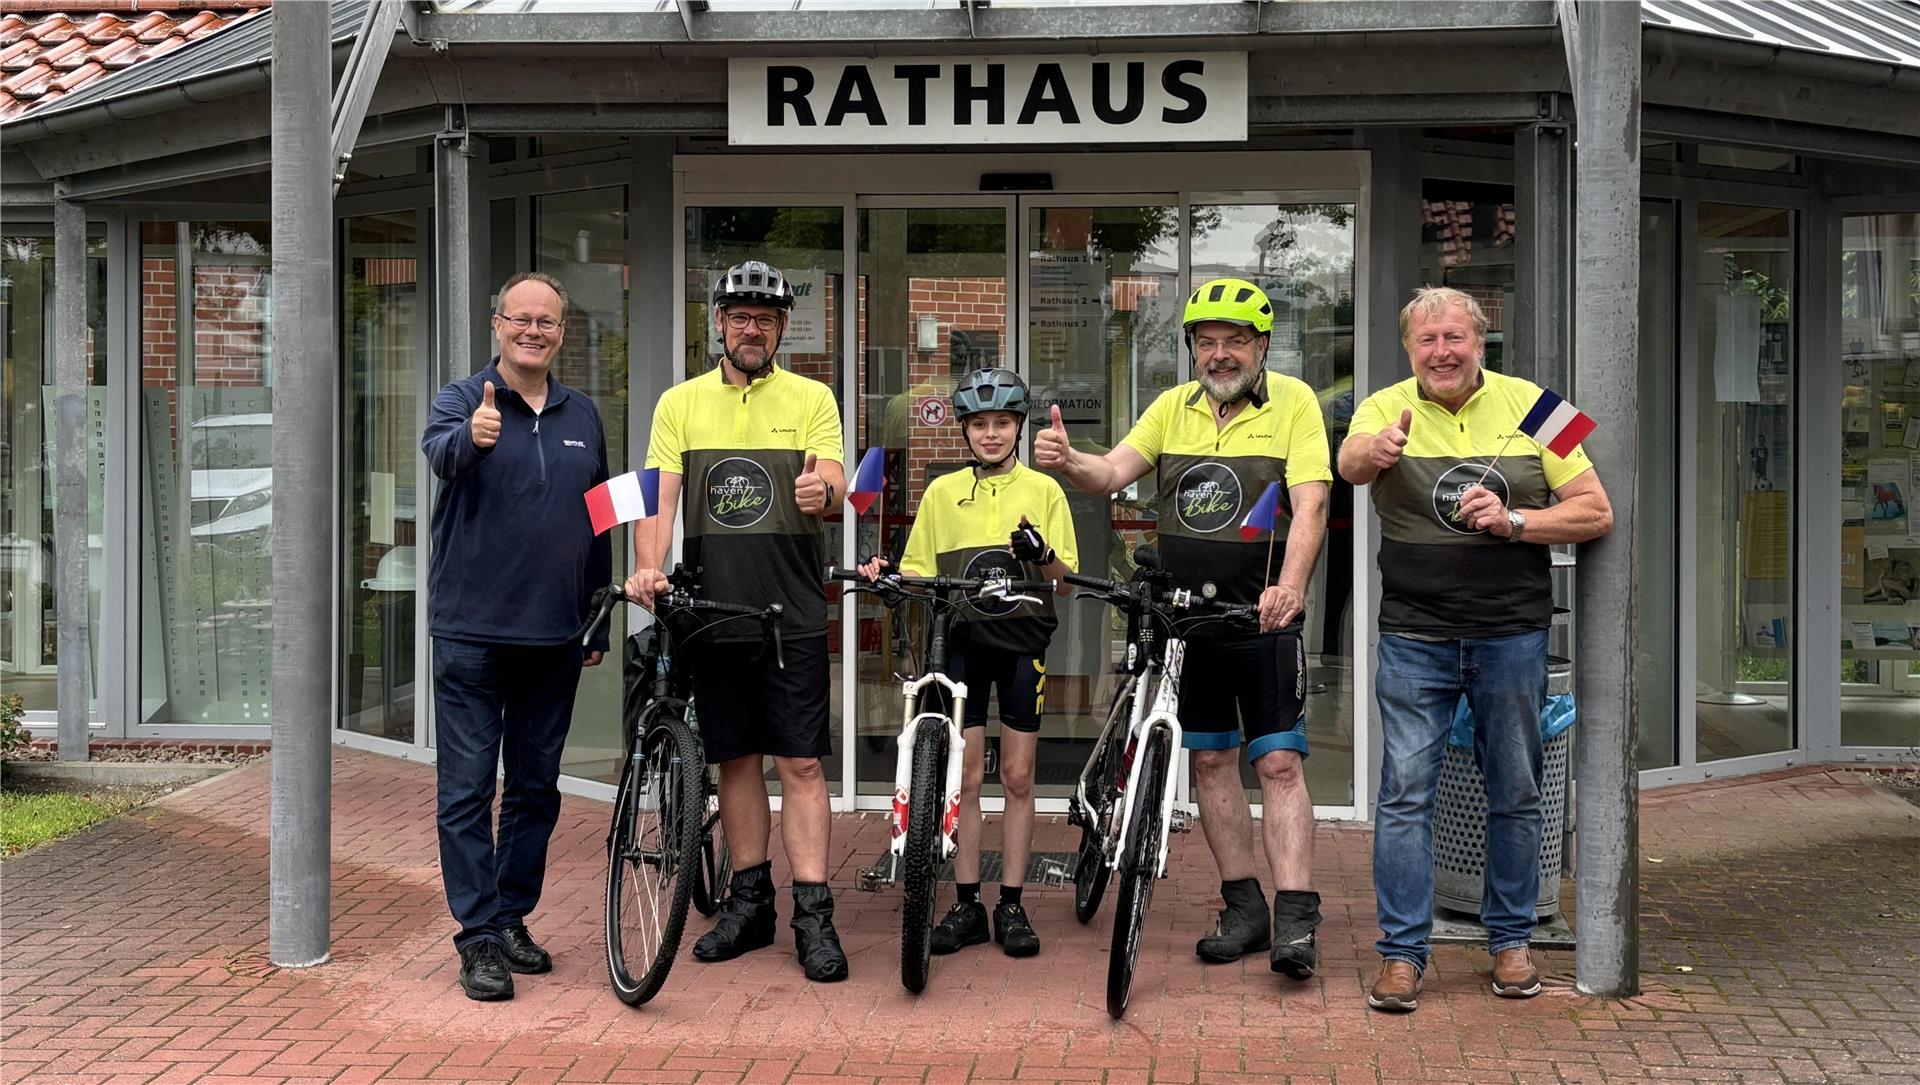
column 593, row 659
column 809, row 489
column 1279, row 606
column 1483, row 510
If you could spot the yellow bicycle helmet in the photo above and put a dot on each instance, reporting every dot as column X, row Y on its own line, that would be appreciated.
column 1234, row 301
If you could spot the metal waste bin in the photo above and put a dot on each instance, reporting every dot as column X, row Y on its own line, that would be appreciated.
column 1460, row 812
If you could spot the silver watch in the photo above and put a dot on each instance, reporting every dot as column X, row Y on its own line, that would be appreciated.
column 1517, row 521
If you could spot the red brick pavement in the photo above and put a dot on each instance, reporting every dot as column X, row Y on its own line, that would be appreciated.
column 134, row 955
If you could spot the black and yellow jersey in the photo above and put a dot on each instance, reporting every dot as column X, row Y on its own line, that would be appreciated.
column 737, row 451
column 1439, row 577
column 962, row 530
column 1209, row 478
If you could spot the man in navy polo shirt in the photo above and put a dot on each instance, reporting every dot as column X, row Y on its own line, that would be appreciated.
column 514, row 562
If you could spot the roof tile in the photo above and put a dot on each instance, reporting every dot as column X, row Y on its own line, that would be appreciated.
column 43, row 57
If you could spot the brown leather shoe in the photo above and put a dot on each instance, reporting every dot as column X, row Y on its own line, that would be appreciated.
column 1514, row 975
column 1398, row 988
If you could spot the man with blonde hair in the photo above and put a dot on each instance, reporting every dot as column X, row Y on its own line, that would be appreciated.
column 1466, row 598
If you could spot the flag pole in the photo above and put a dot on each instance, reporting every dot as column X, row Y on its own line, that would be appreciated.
column 1496, row 459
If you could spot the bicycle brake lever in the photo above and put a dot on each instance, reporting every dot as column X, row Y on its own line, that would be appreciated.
column 779, row 643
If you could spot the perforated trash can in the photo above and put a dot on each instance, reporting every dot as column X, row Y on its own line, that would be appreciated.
column 1460, row 811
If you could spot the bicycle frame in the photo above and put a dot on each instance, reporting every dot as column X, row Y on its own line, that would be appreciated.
column 1163, row 678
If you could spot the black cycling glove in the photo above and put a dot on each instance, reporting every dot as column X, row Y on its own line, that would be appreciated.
column 1028, row 546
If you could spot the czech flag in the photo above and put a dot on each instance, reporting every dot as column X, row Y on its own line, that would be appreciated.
column 633, row 496
column 1265, row 515
column 869, row 480
column 1557, row 424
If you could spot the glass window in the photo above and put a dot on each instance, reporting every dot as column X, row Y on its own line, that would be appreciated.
column 1879, row 535
column 29, row 450
column 806, row 244
column 1103, row 328
column 206, row 479
column 1302, row 255
column 381, row 337
column 1744, row 585
column 581, row 238
column 1466, row 242
column 933, row 305
column 1656, row 525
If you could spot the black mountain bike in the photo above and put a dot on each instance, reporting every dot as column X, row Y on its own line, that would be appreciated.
column 661, row 851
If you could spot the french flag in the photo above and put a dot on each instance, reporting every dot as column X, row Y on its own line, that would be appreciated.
column 1556, row 423
column 633, row 496
column 869, row 480
column 1265, row 515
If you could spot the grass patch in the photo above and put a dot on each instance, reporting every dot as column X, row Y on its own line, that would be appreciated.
column 30, row 819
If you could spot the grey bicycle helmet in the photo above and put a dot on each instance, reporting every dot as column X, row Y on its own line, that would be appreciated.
column 990, row 390
column 753, row 282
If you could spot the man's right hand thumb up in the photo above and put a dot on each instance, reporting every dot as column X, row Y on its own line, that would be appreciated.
column 485, row 423
column 1391, row 443
column 1050, row 447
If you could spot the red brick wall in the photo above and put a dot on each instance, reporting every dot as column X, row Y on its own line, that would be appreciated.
column 229, row 338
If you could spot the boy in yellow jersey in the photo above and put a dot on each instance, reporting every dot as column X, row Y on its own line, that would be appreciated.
column 996, row 518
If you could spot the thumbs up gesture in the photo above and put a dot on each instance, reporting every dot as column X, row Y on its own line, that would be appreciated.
column 809, row 489
column 485, row 423
column 1050, row 448
column 1391, row 443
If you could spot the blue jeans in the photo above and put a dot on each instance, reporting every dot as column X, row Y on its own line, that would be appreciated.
column 508, row 705
column 1419, row 685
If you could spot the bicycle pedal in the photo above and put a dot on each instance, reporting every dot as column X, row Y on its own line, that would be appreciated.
column 1180, row 822
column 872, row 879
column 1053, row 874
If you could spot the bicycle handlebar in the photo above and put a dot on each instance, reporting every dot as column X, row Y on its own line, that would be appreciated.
column 1149, row 596
column 979, row 588
column 682, row 599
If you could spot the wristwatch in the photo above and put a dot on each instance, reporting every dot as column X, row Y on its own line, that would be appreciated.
column 1517, row 522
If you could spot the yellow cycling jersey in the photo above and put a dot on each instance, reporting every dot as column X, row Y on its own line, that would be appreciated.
column 1209, row 478
column 962, row 530
column 738, row 451
column 1438, row 576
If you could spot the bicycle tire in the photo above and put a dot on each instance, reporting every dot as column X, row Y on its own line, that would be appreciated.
column 1090, row 872
column 920, row 866
column 1139, row 869
column 653, row 857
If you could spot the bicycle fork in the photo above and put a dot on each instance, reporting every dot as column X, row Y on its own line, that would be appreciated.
column 903, row 764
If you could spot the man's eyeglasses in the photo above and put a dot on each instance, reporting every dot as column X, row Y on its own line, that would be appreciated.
column 547, row 325
column 742, row 321
column 1234, row 345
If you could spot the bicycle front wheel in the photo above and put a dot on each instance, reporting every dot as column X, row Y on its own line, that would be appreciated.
column 1139, row 869
column 920, row 865
column 716, row 858
column 1090, row 872
column 653, row 857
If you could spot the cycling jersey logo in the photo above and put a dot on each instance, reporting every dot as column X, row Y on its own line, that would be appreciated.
column 1207, row 497
column 739, row 493
column 993, row 565
column 1453, row 486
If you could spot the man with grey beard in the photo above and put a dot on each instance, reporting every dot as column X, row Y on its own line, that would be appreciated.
column 1219, row 441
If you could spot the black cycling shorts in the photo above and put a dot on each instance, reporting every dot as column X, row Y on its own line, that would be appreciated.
column 748, row 706
column 1256, row 685
column 1020, row 679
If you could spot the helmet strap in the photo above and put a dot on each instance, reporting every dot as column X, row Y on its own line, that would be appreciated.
column 973, row 456
column 773, row 350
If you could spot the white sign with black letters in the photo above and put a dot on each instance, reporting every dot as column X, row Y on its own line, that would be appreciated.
column 1137, row 98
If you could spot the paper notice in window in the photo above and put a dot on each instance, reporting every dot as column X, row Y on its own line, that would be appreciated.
column 1912, row 437
column 380, row 508
column 1861, row 633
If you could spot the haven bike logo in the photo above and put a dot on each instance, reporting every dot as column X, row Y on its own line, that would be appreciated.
column 993, row 565
column 1207, row 497
column 739, row 493
column 1452, row 488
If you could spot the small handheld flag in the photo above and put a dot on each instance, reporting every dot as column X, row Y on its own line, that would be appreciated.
column 1265, row 515
column 1556, row 423
column 633, row 496
column 869, row 480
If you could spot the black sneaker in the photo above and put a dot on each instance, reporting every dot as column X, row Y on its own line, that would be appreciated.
column 965, row 924
column 523, row 954
column 1243, row 924
column 483, row 972
column 1012, row 930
